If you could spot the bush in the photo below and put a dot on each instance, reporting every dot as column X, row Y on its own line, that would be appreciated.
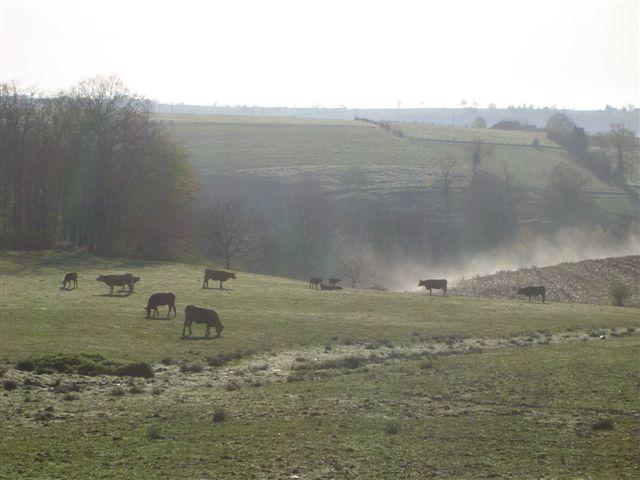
column 27, row 365
column 619, row 292
column 232, row 386
column 136, row 389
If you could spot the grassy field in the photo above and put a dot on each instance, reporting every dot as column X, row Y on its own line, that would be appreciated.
column 344, row 156
column 344, row 384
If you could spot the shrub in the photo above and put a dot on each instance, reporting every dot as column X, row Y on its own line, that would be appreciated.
column 603, row 424
column 9, row 384
column 220, row 415
column 619, row 292
column 66, row 387
column 157, row 390
column 27, row 365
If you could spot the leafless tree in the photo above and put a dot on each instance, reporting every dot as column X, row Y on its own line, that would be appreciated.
column 351, row 255
column 479, row 150
column 624, row 147
column 234, row 229
column 566, row 198
column 447, row 166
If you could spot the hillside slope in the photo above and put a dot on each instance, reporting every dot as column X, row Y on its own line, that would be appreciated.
column 269, row 156
column 587, row 281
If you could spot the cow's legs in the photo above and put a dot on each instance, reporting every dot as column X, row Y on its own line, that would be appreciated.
column 111, row 290
column 430, row 292
column 220, row 284
column 444, row 292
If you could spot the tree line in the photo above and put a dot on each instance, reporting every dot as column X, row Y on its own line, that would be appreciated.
column 87, row 167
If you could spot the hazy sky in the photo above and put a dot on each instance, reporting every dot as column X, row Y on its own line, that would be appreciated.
column 580, row 54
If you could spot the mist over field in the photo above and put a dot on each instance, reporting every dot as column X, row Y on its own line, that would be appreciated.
column 214, row 218
column 568, row 245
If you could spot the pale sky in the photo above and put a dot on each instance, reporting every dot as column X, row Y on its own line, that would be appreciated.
column 571, row 53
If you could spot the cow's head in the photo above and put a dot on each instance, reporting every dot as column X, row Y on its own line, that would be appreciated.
column 100, row 278
column 422, row 283
column 233, row 275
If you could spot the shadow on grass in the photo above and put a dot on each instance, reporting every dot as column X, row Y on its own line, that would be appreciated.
column 197, row 339
column 216, row 288
column 114, row 295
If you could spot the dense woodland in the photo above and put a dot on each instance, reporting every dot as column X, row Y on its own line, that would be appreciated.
column 89, row 168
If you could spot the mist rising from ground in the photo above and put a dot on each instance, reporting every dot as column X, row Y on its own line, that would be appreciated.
column 569, row 245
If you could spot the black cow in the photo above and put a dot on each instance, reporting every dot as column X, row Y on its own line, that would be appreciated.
column 437, row 284
column 69, row 278
column 201, row 315
column 330, row 287
column 533, row 292
column 334, row 281
column 158, row 299
column 216, row 275
column 315, row 282
column 118, row 280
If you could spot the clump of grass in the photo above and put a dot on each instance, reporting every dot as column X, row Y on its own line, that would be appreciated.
column 136, row 369
column 117, row 391
column 191, row 367
column 166, row 361
column 70, row 396
column 350, row 362
column 392, row 428
column 9, row 384
column 26, row 365
column 224, row 358
column 300, row 359
column 426, row 365
column 259, row 367
column 154, row 433
column 157, row 390
column 327, row 348
column 603, row 424
column 348, row 342
column 232, row 386
column 630, row 330
column 91, row 364
column 31, row 382
column 136, row 389
column 66, row 387
column 220, row 415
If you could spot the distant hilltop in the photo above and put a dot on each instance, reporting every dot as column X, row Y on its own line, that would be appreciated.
column 591, row 120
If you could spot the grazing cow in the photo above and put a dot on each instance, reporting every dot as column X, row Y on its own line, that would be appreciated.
column 70, row 277
column 201, row 315
column 437, row 284
column 216, row 275
column 533, row 292
column 118, row 280
column 330, row 287
column 158, row 299
column 334, row 281
column 315, row 282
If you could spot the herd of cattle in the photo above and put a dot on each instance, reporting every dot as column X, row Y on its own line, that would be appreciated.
column 209, row 317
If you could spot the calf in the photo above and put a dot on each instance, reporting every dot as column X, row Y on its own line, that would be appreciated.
column 158, row 299
column 216, row 275
column 201, row 315
column 118, row 280
column 334, row 281
column 70, row 277
column 437, row 284
column 315, row 282
column 533, row 292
